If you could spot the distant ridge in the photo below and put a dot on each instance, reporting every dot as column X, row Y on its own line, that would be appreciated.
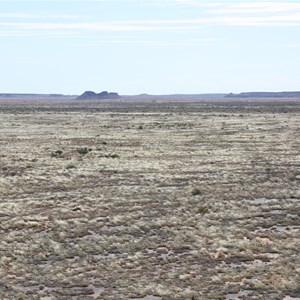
column 207, row 95
column 34, row 96
column 89, row 95
column 265, row 95
column 176, row 96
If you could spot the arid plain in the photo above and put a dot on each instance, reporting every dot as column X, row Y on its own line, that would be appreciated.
column 128, row 200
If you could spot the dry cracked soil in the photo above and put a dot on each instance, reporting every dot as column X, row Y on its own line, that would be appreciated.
column 153, row 201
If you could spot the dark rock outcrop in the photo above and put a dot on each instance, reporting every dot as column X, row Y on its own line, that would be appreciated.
column 89, row 95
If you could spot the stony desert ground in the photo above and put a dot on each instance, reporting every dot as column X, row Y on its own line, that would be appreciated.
column 149, row 200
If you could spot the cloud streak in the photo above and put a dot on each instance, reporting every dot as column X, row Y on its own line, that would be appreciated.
column 214, row 13
column 39, row 16
column 182, row 42
column 250, row 8
column 292, row 19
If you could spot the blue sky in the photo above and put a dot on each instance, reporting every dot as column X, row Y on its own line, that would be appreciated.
column 149, row 46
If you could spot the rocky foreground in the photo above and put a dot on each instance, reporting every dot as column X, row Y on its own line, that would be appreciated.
column 149, row 201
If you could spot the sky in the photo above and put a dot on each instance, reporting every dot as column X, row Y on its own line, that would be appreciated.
column 149, row 46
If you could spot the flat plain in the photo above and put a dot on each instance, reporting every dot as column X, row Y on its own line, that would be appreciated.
column 138, row 200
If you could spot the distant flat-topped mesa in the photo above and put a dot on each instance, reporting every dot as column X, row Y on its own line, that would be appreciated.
column 265, row 95
column 89, row 95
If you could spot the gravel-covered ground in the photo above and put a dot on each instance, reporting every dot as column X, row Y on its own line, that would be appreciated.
column 149, row 201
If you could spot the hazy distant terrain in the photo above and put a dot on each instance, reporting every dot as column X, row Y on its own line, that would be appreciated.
column 149, row 200
column 36, row 96
column 265, row 95
column 113, row 96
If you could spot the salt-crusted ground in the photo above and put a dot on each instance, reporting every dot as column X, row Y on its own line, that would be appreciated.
column 149, row 201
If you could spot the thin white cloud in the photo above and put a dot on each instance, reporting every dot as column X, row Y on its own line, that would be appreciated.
column 256, row 8
column 182, row 42
column 213, row 13
column 28, row 33
column 40, row 16
column 291, row 19
column 100, row 26
column 239, row 7
column 15, row 15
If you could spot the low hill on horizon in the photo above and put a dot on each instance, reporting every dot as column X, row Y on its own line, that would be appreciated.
column 295, row 94
column 89, row 95
column 34, row 96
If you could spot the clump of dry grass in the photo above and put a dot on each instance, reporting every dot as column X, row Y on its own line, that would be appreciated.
column 196, row 191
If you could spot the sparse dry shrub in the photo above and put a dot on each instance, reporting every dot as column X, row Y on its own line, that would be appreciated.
column 202, row 210
column 83, row 150
column 57, row 153
column 196, row 192
column 70, row 167
column 113, row 155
